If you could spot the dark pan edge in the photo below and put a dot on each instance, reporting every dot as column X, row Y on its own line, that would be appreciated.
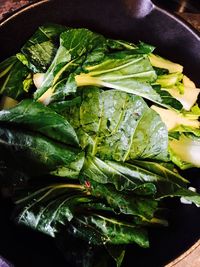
column 180, row 20
column 184, row 258
column 22, row 10
column 175, row 17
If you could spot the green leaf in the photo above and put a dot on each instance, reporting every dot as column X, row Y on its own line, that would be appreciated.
column 117, row 253
column 140, row 48
column 131, row 73
column 171, row 80
column 15, row 78
column 160, row 71
column 143, row 178
column 186, row 193
column 163, row 170
column 38, row 118
column 46, row 209
column 195, row 110
column 167, row 99
column 74, row 44
column 100, row 230
column 116, row 124
column 160, row 62
column 188, row 97
column 62, row 106
column 36, row 154
column 6, row 65
column 39, row 51
column 124, row 203
column 124, row 176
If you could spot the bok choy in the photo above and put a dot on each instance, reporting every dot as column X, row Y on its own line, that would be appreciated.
column 95, row 137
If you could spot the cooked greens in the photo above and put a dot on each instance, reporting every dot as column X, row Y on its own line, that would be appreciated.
column 15, row 78
column 94, row 137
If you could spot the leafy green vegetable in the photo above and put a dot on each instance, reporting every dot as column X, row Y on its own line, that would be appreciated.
column 160, row 62
column 143, row 178
column 166, row 171
column 178, row 122
column 140, row 177
column 116, row 125
column 140, row 48
column 124, row 176
column 179, row 87
column 15, row 78
column 88, row 61
column 39, row 51
column 167, row 99
column 74, row 44
column 95, row 164
column 35, row 116
column 172, row 80
column 124, row 203
column 188, row 98
column 50, row 207
column 131, row 73
column 184, row 151
column 37, row 154
column 194, row 113
column 100, row 230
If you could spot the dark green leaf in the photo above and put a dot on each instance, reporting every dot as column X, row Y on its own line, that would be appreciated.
column 15, row 78
column 124, row 176
column 101, row 230
column 167, row 99
column 140, row 177
column 46, row 209
column 40, row 49
column 117, row 253
column 131, row 73
column 116, row 124
column 37, row 154
column 6, row 65
column 35, row 116
column 74, row 44
column 124, row 203
column 63, row 106
column 141, row 48
column 161, row 71
column 164, row 170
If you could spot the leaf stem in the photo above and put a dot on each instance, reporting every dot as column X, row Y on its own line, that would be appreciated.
column 51, row 189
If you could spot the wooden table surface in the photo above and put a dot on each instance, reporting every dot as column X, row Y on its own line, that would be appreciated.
column 190, row 258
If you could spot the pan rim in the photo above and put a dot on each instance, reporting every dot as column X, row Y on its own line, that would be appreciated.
column 174, row 16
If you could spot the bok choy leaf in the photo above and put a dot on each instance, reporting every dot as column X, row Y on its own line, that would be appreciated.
column 115, row 125
column 15, row 79
column 184, row 151
column 37, row 154
column 39, row 51
column 36, row 117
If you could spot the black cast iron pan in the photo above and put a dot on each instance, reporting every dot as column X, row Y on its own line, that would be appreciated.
column 132, row 20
